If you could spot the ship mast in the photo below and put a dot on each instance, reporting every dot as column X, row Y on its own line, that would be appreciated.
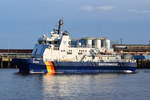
column 60, row 23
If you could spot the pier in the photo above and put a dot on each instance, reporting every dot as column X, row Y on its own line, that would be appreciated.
column 140, row 50
column 133, row 49
column 6, row 56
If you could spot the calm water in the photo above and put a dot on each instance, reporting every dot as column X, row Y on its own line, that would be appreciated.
column 14, row 86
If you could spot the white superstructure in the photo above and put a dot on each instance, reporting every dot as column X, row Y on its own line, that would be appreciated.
column 60, row 47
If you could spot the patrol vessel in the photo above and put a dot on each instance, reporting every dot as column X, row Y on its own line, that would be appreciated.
column 58, row 53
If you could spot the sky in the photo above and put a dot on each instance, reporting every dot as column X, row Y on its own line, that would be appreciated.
column 22, row 22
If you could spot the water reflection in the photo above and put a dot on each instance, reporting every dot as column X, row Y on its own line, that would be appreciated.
column 70, row 86
column 74, row 87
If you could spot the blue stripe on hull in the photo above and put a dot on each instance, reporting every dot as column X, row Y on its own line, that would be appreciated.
column 33, row 68
column 100, row 70
column 95, row 69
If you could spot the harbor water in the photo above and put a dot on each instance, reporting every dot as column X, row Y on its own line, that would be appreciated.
column 108, row 86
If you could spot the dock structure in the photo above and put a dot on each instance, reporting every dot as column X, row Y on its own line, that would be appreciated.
column 6, row 56
column 133, row 49
column 139, row 50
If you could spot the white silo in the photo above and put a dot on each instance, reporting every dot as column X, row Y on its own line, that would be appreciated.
column 107, row 43
column 89, row 42
column 103, row 42
column 97, row 43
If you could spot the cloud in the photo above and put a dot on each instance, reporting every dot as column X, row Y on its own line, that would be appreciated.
column 87, row 8
column 90, row 8
column 139, row 11
column 104, row 8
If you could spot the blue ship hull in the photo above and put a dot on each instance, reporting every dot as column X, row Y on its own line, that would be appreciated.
column 54, row 67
